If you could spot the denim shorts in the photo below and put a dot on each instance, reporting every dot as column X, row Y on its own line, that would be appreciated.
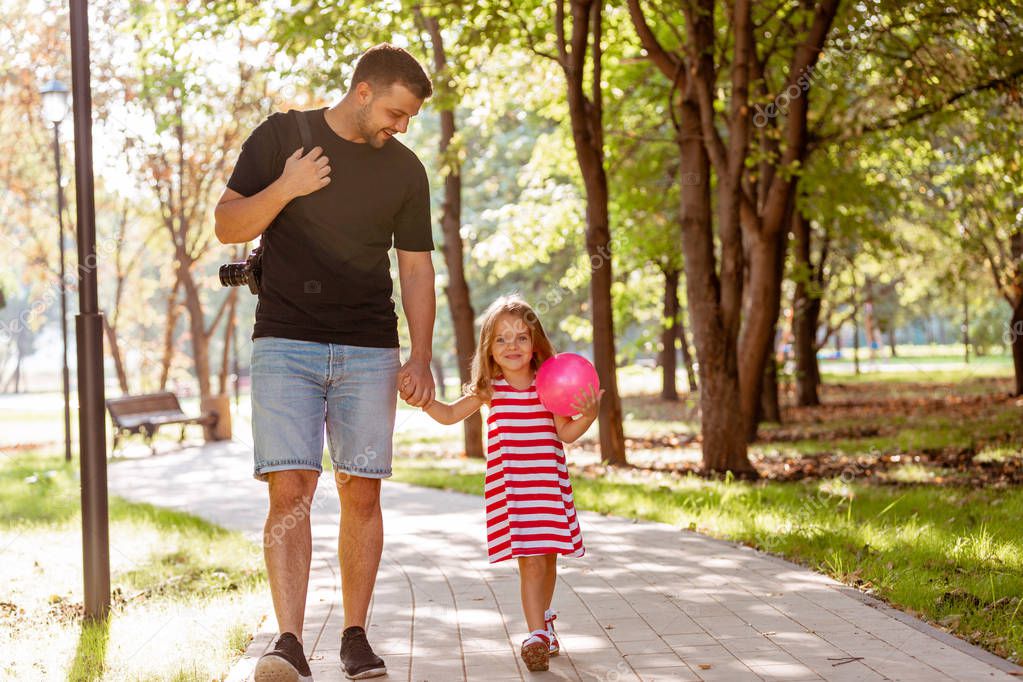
column 298, row 387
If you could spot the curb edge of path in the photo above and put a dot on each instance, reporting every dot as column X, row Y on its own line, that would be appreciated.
column 982, row 655
column 922, row 626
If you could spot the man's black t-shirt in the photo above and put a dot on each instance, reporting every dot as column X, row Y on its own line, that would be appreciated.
column 326, row 270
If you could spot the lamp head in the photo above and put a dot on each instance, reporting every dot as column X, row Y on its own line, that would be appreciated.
column 56, row 98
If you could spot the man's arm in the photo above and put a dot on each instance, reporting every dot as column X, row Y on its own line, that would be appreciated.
column 241, row 219
column 419, row 301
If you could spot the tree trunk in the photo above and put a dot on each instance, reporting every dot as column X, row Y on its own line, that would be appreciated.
column 891, row 341
column 1016, row 301
column 669, row 332
column 197, row 328
column 770, row 407
column 762, row 307
column 115, row 354
column 767, row 235
column 612, row 437
column 16, row 376
column 586, row 116
column 229, row 332
column 457, row 289
column 869, row 322
column 806, row 307
column 1016, row 334
column 966, row 327
column 716, row 302
column 438, row 377
column 687, row 358
column 856, row 342
column 110, row 322
column 724, row 442
column 173, row 309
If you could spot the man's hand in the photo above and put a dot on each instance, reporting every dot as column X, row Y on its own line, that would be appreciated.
column 305, row 174
column 415, row 383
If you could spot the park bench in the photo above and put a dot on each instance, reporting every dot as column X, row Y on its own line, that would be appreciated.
column 144, row 414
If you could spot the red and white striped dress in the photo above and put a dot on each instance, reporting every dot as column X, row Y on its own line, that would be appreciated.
column 530, row 508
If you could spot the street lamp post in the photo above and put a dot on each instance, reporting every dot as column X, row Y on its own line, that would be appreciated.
column 55, row 107
column 92, row 438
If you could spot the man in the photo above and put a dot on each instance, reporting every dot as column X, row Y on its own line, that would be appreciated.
column 325, row 342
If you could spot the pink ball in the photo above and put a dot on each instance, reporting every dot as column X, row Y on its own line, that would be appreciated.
column 560, row 379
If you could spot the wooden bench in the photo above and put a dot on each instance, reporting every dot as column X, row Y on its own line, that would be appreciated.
column 144, row 414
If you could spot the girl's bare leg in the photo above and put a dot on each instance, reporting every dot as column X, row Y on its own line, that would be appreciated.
column 533, row 585
column 550, row 579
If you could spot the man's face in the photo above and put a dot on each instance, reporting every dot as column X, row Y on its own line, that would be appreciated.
column 385, row 112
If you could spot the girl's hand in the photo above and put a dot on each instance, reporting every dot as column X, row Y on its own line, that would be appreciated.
column 588, row 402
column 403, row 388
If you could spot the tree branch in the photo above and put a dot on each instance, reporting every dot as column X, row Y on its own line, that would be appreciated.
column 701, row 36
column 917, row 113
column 559, row 32
column 531, row 43
column 208, row 332
column 670, row 64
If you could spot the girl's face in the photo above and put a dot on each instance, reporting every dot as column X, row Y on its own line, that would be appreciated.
column 512, row 348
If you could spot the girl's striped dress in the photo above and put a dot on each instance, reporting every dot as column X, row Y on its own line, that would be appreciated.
column 530, row 509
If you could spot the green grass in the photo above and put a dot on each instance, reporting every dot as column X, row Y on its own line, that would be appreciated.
column 953, row 374
column 983, row 431
column 185, row 592
column 937, row 358
column 951, row 555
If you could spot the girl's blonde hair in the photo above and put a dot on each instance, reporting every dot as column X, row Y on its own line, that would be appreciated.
column 484, row 369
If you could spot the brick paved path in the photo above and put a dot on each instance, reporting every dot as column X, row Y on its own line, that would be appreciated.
column 648, row 602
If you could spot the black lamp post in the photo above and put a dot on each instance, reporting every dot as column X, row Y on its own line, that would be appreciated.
column 55, row 96
column 92, row 425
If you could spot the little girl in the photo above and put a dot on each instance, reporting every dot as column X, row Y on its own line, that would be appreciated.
column 530, row 510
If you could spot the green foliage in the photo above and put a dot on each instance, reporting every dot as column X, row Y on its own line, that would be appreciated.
column 988, row 329
column 918, row 208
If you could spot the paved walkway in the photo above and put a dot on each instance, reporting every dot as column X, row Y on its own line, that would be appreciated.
column 648, row 602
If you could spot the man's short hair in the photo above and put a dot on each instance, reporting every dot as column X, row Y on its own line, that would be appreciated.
column 384, row 65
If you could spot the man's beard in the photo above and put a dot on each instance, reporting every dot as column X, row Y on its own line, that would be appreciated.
column 366, row 131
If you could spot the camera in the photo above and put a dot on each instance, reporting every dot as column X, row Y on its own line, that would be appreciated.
column 250, row 271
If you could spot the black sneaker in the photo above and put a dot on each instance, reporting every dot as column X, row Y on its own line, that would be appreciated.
column 285, row 663
column 357, row 657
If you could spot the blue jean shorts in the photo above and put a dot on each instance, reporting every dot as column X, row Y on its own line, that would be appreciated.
column 300, row 387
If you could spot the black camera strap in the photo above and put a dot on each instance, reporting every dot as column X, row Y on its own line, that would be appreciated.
column 303, row 130
column 307, row 140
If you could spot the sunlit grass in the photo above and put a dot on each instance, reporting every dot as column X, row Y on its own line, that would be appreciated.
column 186, row 593
column 841, row 372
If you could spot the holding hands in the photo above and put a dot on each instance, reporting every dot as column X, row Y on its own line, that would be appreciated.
column 415, row 383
